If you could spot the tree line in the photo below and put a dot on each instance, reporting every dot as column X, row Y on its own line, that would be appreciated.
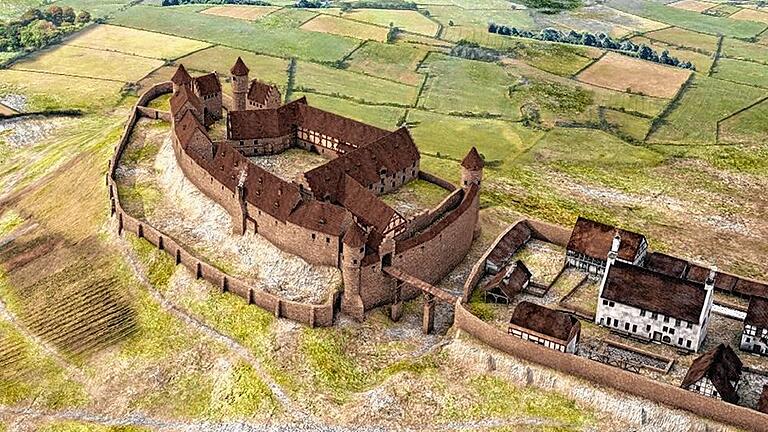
column 600, row 40
column 233, row 2
column 366, row 4
column 37, row 28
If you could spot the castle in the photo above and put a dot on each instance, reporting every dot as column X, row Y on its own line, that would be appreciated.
column 331, row 215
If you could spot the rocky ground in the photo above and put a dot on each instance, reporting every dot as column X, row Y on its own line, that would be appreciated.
column 291, row 164
column 171, row 203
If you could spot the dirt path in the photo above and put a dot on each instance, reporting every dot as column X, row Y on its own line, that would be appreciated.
column 19, row 415
column 290, row 407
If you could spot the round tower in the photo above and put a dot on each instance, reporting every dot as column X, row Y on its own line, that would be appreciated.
column 240, row 83
column 472, row 169
column 352, row 258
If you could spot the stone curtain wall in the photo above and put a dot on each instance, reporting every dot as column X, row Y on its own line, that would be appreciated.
column 309, row 314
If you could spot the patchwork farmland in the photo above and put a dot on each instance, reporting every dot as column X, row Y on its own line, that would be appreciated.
column 102, row 330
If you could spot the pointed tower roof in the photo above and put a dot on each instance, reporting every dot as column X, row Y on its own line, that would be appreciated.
column 472, row 161
column 181, row 77
column 355, row 236
column 239, row 69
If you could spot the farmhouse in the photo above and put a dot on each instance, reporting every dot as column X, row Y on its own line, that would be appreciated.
column 715, row 374
column 505, row 285
column 590, row 243
column 755, row 335
column 331, row 215
column 556, row 330
column 642, row 303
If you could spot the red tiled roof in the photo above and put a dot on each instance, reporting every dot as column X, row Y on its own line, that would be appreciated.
column 343, row 128
column 208, row 84
column 515, row 274
column 239, row 68
column 757, row 314
column 667, row 264
column 181, row 97
column 260, row 91
column 355, row 236
column 594, row 239
column 366, row 206
column 656, row 292
column 472, row 161
column 392, row 153
column 721, row 366
column 181, row 76
column 321, row 217
column 542, row 320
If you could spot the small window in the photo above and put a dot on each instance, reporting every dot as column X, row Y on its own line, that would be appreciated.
column 680, row 341
column 642, row 313
column 666, row 319
column 634, row 328
column 648, row 328
column 672, row 331
column 612, row 304
column 688, row 343
column 327, row 239
column 605, row 302
column 690, row 325
column 626, row 326
column 313, row 236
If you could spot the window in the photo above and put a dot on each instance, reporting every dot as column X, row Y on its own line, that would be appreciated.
column 605, row 302
column 688, row 344
column 327, row 239
column 608, row 321
column 690, row 325
column 634, row 328
column 648, row 328
column 612, row 304
column 666, row 319
column 642, row 312
column 313, row 236
column 626, row 326
column 677, row 323
column 654, row 315
column 671, row 331
column 679, row 341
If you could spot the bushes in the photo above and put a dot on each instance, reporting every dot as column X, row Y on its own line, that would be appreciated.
column 392, row 33
column 473, row 51
column 234, row 2
column 36, row 29
column 601, row 40
column 379, row 5
column 312, row 4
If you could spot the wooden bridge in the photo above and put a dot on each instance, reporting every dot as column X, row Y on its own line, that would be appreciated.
column 431, row 295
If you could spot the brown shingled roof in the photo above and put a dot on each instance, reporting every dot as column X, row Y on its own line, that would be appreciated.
column 748, row 287
column 472, row 161
column 181, row 76
column 321, row 217
column 510, row 280
column 762, row 404
column 699, row 274
column 343, row 128
column 509, row 245
column 656, row 292
column 355, row 236
column 545, row 321
column 667, row 264
column 391, row 153
column 181, row 97
column 594, row 239
column 239, row 68
column 721, row 366
column 259, row 91
column 208, row 84
column 757, row 314
column 366, row 206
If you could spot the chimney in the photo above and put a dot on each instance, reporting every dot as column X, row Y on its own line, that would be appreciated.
column 709, row 289
column 612, row 255
column 709, row 284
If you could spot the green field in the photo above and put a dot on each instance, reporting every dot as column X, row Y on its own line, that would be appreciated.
column 89, row 63
column 314, row 78
column 703, row 62
column 706, row 44
column 747, row 127
column 10, row 9
column 269, row 36
column 221, row 59
column 344, row 27
column 707, row 100
column 396, row 62
column 559, row 59
column 407, row 20
column 632, row 126
column 464, row 86
column 134, row 42
column 744, row 72
column 689, row 20
column 737, row 49
column 48, row 91
column 478, row 19
column 382, row 116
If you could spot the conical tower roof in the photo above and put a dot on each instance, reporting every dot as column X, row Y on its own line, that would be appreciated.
column 239, row 69
column 472, row 161
column 355, row 236
column 181, row 77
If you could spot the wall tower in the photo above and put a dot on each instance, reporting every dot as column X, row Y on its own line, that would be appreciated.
column 181, row 78
column 472, row 169
column 353, row 254
column 240, row 83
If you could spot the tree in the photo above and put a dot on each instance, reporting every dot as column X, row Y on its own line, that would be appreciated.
column 83, row 17
column 645, row 52
column 55, row 15
column 531, row 115
column 588, row 39
column 37, row 34
column 68, row 15
column 450, row 23
column 492, row 28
